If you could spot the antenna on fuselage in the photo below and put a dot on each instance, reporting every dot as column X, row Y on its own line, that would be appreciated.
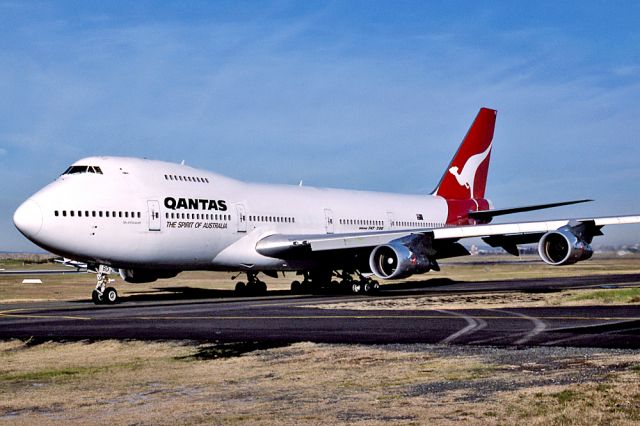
column 182, row 163
column 300, row 184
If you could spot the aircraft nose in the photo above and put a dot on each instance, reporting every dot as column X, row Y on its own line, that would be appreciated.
column 28, row 218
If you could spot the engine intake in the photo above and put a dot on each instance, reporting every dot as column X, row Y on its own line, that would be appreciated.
column 400, row 258
column 563, row 247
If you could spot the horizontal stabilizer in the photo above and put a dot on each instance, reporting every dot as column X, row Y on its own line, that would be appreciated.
column 487, row 215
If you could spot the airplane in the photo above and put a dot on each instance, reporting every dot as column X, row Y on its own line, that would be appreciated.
column 149, row 220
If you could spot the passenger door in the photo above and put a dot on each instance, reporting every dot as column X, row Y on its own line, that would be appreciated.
column 242, row 218
column 328, row 214
column 154, row 215
column 390, row 220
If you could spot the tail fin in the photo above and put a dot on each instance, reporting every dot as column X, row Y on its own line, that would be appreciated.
column 466, row 176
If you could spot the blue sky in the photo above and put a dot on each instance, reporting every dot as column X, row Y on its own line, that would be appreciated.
column 356, row 94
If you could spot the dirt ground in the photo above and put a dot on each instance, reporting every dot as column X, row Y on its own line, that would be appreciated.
column 166, row 383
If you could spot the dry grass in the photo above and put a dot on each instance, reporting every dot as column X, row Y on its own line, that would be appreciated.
column 494, row 300
column 475, row 268
column 165, row 383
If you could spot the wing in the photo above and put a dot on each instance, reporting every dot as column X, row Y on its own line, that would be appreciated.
column 506, row 235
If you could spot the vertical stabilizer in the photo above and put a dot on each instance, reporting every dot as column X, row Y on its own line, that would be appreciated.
column 466, row 176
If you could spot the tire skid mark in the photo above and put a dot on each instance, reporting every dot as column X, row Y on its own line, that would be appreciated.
column 538, row 325
column 473, row 325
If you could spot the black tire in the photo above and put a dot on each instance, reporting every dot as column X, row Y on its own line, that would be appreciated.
column 240, row 287
column 97, row 297
column 366, row 287
column 296, row 287
column 261, row 287
column 356, row 287
column 375, row 286
column 110, row 295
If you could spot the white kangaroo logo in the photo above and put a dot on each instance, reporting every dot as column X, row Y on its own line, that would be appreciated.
column 468, row 174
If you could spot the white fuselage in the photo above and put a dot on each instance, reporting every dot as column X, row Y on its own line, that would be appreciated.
column 153, row 214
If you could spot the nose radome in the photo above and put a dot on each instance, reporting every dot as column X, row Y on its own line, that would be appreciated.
column 28, row 218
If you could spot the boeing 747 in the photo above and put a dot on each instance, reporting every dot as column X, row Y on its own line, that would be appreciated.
column 148, row 220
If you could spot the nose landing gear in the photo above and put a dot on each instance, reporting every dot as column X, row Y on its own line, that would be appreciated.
column 102, row 293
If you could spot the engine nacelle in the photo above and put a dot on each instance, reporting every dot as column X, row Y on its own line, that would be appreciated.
column 563, row 247
column 395, row 260
column 138, row 276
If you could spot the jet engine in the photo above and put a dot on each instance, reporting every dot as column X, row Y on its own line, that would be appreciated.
column 564, row 247
column 138, row 276
column 401, row 258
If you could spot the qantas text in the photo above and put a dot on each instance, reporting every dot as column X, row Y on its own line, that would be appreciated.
column 195, row 204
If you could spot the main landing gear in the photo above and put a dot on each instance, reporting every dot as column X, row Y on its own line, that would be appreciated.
column 253, row 286
column 358, row 285
column 317, row 282
column 102, row 293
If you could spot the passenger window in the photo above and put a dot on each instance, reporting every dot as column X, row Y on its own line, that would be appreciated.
column 55, row 213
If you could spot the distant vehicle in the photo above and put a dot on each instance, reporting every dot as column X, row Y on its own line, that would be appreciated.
column 151, row 219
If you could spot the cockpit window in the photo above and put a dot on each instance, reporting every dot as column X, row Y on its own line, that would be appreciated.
column 82, row 169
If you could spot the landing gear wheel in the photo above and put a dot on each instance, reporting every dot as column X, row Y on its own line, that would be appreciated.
column 97, row 297
column 110, row 295
column 240, row 287
column 261, row 287
column 296, row 287
column 355, row 288
column 375, row 286
column 366, row 287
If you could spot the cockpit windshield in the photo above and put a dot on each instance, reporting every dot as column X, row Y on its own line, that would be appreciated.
column 82, row 169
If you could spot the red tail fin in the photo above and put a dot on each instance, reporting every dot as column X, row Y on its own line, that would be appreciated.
column 466, row 176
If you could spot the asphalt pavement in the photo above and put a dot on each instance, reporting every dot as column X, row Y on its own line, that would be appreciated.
column 283, row 317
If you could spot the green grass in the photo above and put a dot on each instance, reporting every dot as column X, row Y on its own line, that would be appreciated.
column 622, row 295
column 64, row 373
column 565, row 396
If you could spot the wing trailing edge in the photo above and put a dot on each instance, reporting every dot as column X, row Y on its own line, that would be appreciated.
column 486, row 215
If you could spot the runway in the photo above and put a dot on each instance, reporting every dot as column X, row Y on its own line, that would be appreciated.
column 287, row 318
